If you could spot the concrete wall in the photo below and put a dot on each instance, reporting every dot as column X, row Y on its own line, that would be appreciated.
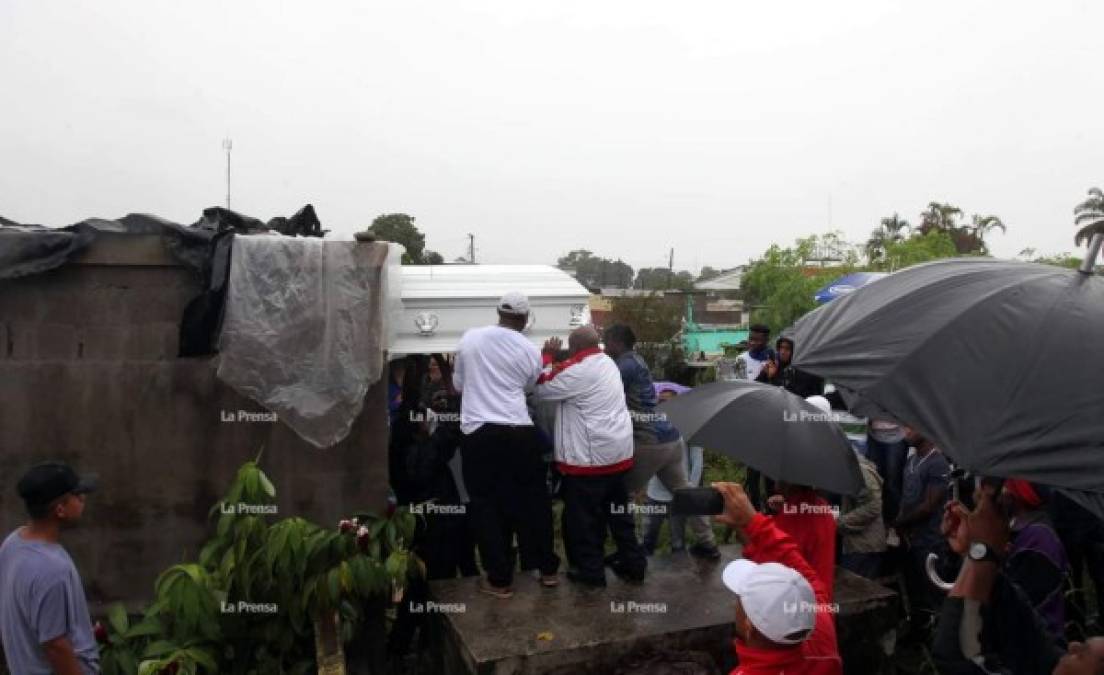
column 89, row 375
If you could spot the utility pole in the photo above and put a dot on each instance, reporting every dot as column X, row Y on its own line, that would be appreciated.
column 670, row 267
column 471, row 248
column 227, row 144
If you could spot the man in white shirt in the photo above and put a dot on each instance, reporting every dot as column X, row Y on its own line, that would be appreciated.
column 758, row 352
column 594, row 452
column 503, row 469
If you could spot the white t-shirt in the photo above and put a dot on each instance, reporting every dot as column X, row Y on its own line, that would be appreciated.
column 753, row 365
column 495, row 367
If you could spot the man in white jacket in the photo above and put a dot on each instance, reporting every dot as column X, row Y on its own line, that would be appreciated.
column 594, row 450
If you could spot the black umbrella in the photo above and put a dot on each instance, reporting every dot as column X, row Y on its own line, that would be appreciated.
column 769, row 429
column 1001, row 363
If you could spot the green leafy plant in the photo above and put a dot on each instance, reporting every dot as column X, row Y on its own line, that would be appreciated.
column 249, row 604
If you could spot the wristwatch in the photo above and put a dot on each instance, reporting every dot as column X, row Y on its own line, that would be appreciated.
column 979, row 552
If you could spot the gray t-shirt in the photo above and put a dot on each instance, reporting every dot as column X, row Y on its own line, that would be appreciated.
column 41, row 598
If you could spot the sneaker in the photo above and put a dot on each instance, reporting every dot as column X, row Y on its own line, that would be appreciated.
column 497, row 591
column 549, row 580
column 705, row 551
column 577, row 577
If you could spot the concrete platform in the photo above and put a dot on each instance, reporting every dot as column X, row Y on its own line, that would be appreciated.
column 681, row 606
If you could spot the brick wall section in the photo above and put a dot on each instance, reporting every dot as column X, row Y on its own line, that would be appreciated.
column 89, row 375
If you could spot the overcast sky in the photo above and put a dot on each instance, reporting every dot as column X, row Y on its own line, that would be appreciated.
column 626, row 128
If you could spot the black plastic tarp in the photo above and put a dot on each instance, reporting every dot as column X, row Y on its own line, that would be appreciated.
column 204, row 246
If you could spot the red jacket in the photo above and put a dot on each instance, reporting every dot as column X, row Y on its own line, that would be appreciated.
column 817, row 655
column 809, row 521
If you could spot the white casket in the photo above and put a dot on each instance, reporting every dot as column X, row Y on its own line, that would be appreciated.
column 440, row 302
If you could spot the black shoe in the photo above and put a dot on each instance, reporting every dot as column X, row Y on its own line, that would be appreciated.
column 630, row 576
column 705, row 551
column 577, row 577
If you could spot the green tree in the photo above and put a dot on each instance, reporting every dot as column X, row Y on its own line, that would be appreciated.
column 660, row 278
column 919, row 248
column 779, row 287
column 1089, row 216
column 983, row 225
column 596, row 272
column 400, row 228
column 1060, row 260
column 940, row 217
column 708, row 273
column 654, row 318
column 892, row 229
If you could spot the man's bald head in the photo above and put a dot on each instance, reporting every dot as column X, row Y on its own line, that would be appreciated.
column 583, row 338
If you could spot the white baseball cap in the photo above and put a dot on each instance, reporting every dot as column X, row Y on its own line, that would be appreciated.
column 778, row 601
column 514, row 302
column 820, row 402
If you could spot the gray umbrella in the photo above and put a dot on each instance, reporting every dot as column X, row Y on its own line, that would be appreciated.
column 769, row 429
column 1001, row 363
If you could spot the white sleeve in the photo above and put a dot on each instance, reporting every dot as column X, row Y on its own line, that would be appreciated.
column 563, row 385
column 534, row 369
column 458, row 370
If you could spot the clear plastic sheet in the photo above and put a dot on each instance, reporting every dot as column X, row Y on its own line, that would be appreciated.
column 303, row 329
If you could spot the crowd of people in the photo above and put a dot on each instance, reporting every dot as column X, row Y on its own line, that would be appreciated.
column 580, row 425
column 991, row 569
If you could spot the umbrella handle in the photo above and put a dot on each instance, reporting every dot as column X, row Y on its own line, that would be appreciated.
column 933, row 575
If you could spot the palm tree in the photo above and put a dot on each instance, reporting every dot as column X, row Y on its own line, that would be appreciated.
column 1089, row 216
column 890, row 231
column 939, row 216
column 983, row 225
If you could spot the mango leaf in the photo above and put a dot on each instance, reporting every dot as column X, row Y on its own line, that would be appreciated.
column 160, row 648
column 145, row 627
column 202, row 658
column 334, row 579
column 117, row 617
column 252, row 486
column 127, row 662
column 150, row 667
column 394, row 565
column 224, row 525
column 346, row 576
column 266, row 485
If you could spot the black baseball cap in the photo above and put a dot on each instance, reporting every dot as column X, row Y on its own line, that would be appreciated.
column 45, row 482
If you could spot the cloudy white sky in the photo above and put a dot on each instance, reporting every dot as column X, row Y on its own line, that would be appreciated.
column 625, row 127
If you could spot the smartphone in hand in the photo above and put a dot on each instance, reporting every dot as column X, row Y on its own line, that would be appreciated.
column 697, row 501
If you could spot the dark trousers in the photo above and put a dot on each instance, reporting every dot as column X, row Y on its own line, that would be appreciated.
column 506, row 480
column 591, row 505
column 924, row 597
column 867, row 565
column 890, row 460
column 758, row 487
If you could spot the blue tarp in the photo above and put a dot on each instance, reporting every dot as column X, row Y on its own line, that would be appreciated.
column 845, row 285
